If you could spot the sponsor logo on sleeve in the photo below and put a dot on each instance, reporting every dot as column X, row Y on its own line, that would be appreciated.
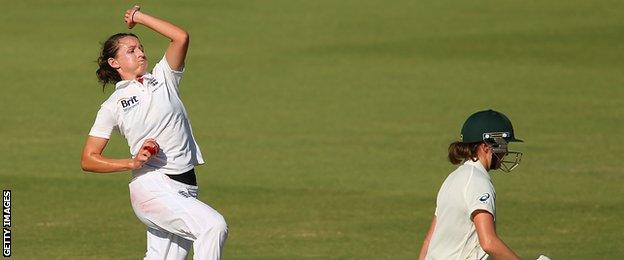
column 484, row 197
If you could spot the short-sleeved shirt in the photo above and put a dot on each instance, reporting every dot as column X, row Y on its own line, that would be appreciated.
column 465, row 190
column 151, row 108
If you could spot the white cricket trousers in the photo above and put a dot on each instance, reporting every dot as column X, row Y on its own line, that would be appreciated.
column 176, row 219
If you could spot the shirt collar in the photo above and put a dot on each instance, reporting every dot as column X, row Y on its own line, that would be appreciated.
column 477, row 165
column 125, row 83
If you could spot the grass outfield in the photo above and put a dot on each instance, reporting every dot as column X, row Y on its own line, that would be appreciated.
column 325, row 124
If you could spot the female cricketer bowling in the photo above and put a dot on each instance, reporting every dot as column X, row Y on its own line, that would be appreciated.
column 146, row 109
column 463, row 224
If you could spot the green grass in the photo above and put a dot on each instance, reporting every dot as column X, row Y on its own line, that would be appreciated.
column 324, row 124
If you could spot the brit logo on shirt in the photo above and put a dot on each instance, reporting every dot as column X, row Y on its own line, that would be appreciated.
column 129, row 102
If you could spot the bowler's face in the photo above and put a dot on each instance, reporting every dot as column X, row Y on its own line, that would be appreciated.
column 131, row 58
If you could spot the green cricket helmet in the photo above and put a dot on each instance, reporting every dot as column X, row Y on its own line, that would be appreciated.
column 494, row 129
column 487, row 124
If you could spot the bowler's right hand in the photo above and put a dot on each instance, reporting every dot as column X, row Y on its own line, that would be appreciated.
column 149, row 148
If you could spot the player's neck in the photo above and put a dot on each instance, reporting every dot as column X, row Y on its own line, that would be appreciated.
column 485, row 159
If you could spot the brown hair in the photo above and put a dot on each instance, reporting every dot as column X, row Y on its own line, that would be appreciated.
column 105, row 73
column 459, row 152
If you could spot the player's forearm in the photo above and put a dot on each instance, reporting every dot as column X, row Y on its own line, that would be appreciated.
column 176, row 52
column 488, row 239
column 497, row 249
column 423, row 250
column 425, row 245
column 99, row 164
column 167, row 29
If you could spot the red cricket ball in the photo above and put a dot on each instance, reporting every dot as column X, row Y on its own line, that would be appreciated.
column 151, row 149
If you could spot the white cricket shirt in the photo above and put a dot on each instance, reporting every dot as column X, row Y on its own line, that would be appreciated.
column 465, row 190
column 151, row 109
